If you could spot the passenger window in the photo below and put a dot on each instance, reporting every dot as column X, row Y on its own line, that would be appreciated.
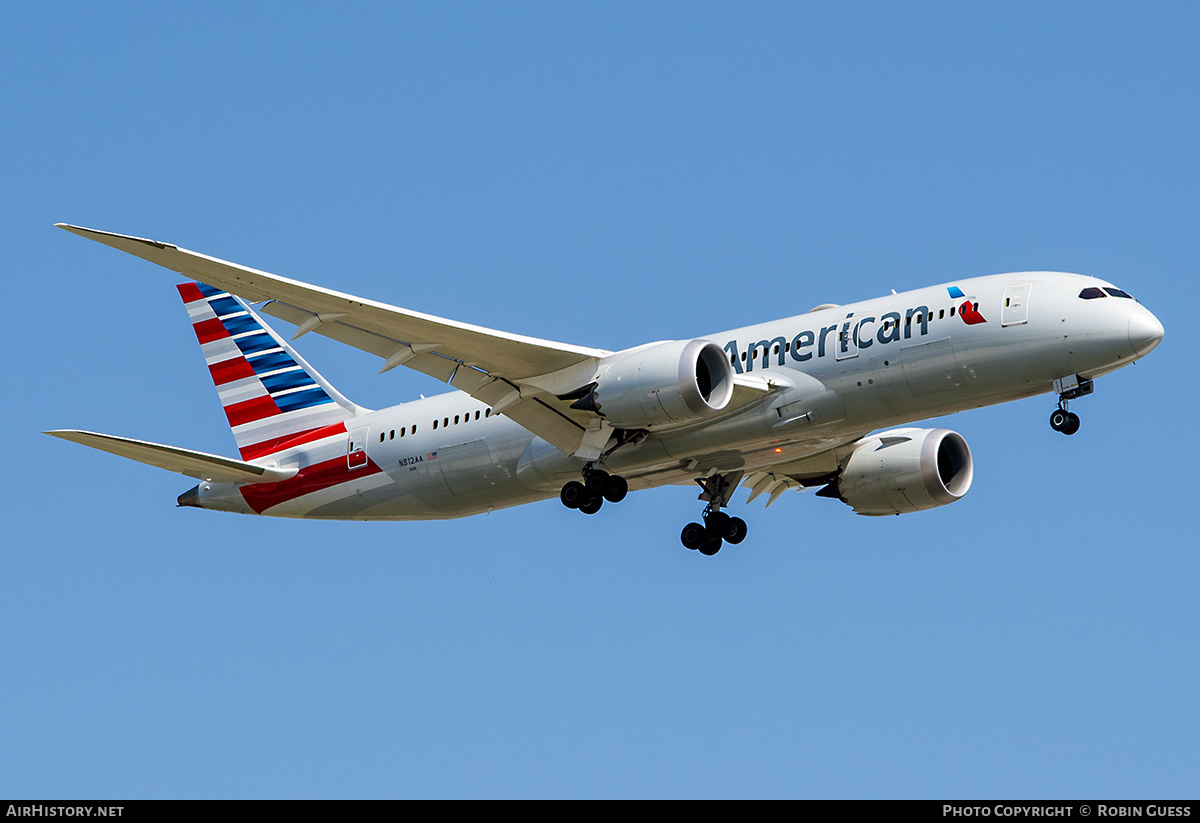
column 456, row 419
column 445, row 421
column 435, row 424
column 381, row 434
column 1091, row 293
column 392, row 436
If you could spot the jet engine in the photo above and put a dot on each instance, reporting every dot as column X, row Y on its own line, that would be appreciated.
column 906, row 470
column 661, row 384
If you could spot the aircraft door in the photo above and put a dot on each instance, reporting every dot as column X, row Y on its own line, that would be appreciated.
column 356, row 451
column 1015, row 309
column 846, row 345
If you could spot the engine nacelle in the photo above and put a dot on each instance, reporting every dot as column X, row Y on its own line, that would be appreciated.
column 906, row 470
column 663, row 384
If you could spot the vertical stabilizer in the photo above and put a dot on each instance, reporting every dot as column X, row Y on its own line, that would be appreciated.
column 273, row 399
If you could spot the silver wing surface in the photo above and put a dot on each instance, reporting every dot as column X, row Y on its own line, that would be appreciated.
column 495, row 367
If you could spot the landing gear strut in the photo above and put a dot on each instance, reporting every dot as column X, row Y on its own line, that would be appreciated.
column 719, row 527
column 597, row 486
column 1068, row 388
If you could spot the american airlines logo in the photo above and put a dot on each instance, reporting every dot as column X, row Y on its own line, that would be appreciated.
column 969, row 310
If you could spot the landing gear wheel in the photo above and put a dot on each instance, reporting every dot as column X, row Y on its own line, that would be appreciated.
column 717, row 523
column 615, row 488
column 692, row 536
column 573, row 494
column 1072, row 425
column 735, row 531
column 1060, row 418
column 596, row 480
column 718, row 527
column 591, row 504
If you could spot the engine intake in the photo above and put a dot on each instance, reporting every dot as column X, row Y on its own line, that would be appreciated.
column 662, row 384
column 906, row 470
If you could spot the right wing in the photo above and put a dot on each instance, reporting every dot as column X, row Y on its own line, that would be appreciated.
column 507, row 371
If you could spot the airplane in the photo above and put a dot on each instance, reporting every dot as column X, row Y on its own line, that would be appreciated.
column 822, row 400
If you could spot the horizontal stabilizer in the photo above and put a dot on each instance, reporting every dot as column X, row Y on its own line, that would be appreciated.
column 202, row 466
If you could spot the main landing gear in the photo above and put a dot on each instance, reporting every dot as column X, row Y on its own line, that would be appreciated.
column 597, row 486
column 719, row 527
column 1068, row 388
column 707, row 538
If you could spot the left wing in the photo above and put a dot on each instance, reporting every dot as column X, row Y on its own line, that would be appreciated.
column 200, row 465
column 495, row 367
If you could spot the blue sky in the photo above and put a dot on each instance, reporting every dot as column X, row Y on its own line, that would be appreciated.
column 607, row 175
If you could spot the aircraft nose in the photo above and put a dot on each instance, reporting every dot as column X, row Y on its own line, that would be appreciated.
column 1145, row 332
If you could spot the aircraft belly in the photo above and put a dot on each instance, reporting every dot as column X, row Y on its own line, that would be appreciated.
column 348, row 500
column 803, row 420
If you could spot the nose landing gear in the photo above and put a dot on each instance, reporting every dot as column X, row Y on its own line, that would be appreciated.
column 1064, row 421
column 1069, row 388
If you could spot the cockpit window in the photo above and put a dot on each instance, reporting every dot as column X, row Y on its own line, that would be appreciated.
column 1091, row 293
column 1119, row 293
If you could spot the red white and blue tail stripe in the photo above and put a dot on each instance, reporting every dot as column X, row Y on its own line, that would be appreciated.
column 273, row 399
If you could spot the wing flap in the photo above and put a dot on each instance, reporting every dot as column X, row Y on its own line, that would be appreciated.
column 200, row 465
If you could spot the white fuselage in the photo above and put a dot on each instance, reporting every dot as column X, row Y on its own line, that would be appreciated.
column 823, row 379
